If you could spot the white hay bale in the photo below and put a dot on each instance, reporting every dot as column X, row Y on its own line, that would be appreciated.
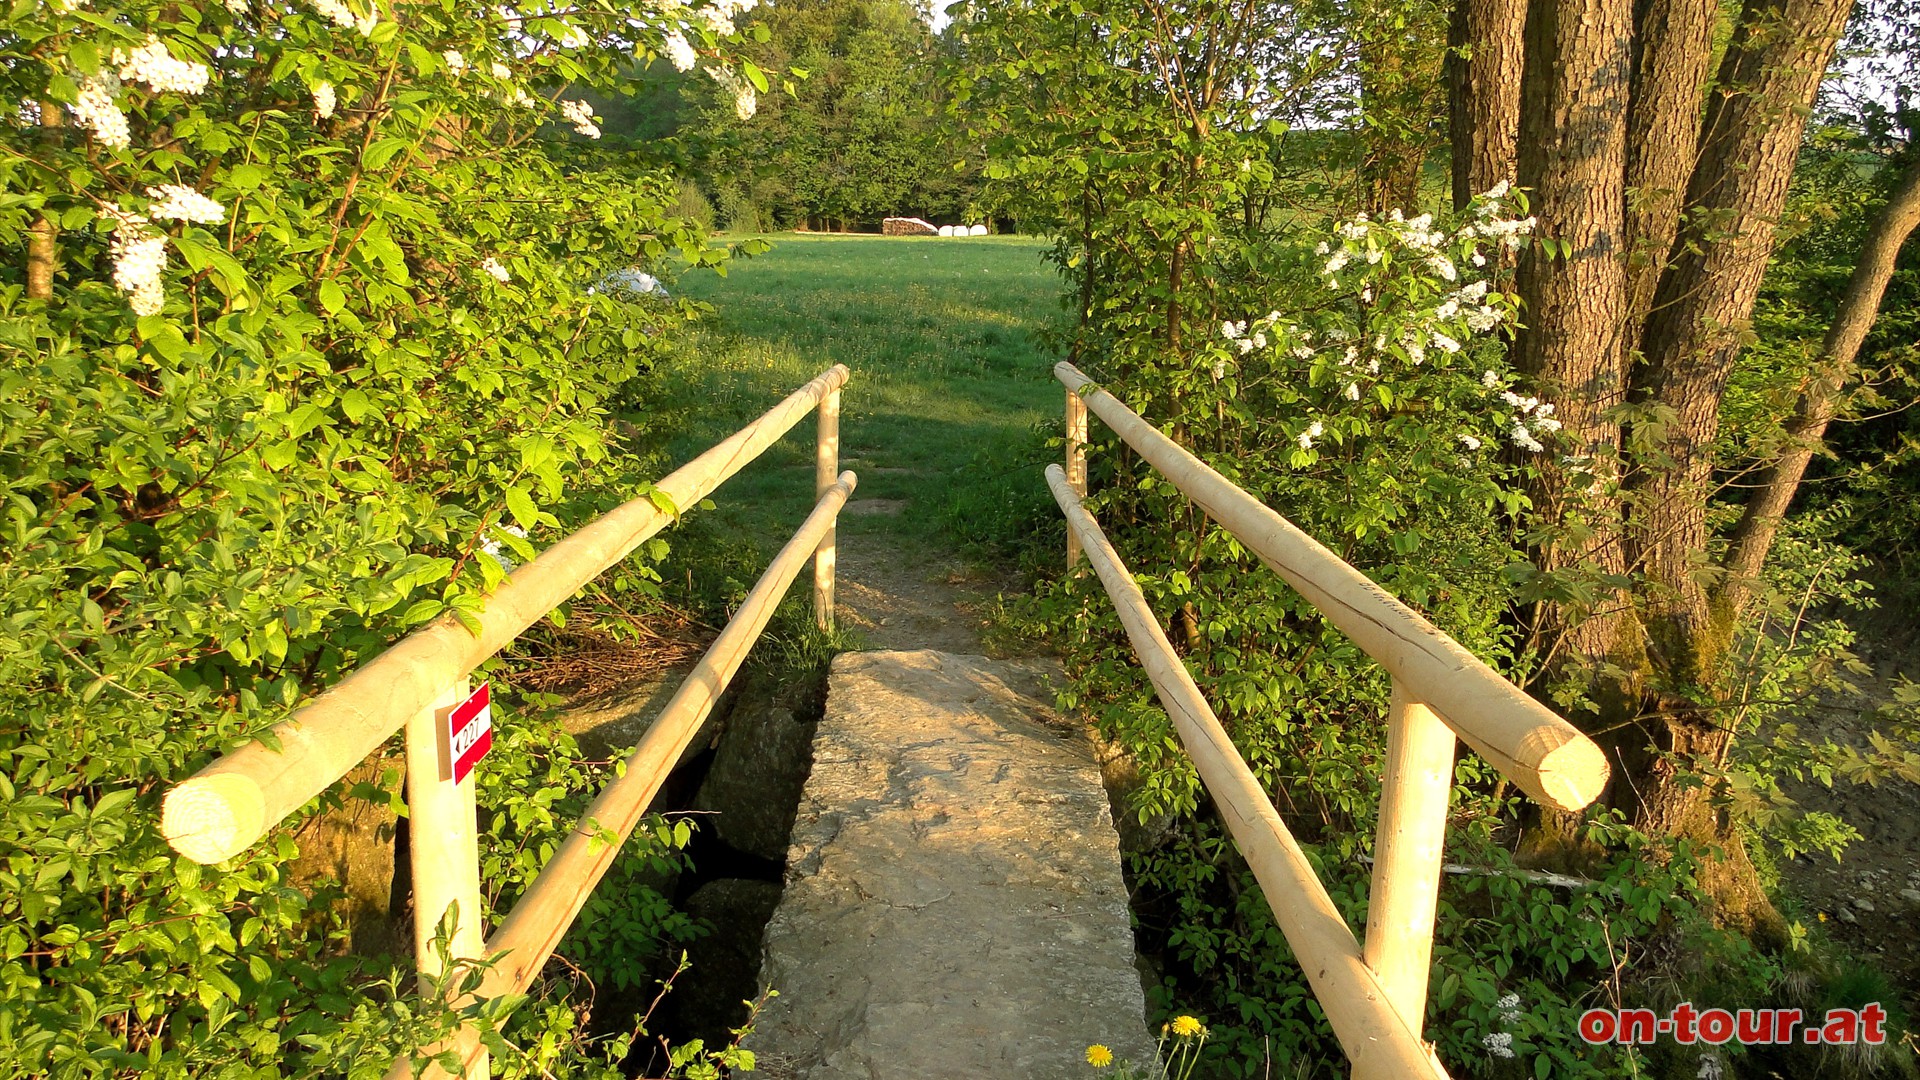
column 977, row 230
column 946, row 230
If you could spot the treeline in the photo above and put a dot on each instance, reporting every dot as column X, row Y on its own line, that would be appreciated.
column 855, row 129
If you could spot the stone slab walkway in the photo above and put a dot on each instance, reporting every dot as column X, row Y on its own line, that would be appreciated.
column 954, row 906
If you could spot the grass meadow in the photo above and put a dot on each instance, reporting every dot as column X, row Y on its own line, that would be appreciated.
column 949, row 405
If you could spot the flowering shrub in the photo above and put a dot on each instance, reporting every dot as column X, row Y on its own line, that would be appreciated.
column 296, row 320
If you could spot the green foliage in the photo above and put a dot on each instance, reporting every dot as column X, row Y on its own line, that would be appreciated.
column 332, row 408
column 860, row 137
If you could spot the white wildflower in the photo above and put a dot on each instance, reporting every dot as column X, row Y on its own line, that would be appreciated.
column 1314, row 431
column 1470, row 442
column 1445, row 343
column 94, row 110
column 367, row 22
column 139, row 258
column 323, row 99
column 1339, row 260
column 238, row 7
column 1447, row 310
column 492, row 266
column 1246, row 345
column 1366, row 294
column 1499, row 1044
column 337, row 13
column 1353, row 391
column 1322, row 249
column 1546, row 424
column 152, row 64
column 178, row 202
column 1219, row 369
column 1303, row 352
column 580, row 115
column 1524, row 439
column 456, row 63
column 1499, row 190
column 1478, row 259
column 679, row 51
column 1259, row 339
column 1373, row 366
column 1509, row 1007
column 500, row 70
column 1443, row 266
column 1227, row 330
column 1490, row 379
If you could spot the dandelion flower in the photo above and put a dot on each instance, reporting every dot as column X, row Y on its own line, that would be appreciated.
column 1186, row 1027
column 1099, row 1056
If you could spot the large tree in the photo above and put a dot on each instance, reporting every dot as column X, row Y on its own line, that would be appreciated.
column 1658, row 180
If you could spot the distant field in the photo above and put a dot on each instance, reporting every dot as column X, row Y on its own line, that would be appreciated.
column 944, row 410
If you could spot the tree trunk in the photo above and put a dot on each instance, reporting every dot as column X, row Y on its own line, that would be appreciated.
column 1398, row 69
column 1673, row 48
column 1572, row 156
column 43, row 236
column 1748, row 149
column 1760, row 518
column 1483, row 64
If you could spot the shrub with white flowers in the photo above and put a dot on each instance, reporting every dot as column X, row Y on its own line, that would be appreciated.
column 272, row 399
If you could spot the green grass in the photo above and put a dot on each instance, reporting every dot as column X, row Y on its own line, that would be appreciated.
column 948, row 405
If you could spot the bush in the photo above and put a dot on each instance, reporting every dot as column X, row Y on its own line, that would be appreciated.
column 302, row 327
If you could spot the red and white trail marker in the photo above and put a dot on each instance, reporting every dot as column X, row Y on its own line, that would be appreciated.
column 470, row 732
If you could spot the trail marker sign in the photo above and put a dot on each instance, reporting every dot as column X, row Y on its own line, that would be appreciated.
column 470, row 732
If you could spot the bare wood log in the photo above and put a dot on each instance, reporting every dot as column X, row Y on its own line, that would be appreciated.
column 1376, row 1039
column 443, row 848
column 533, row 929
column 1076, row 463
column 826, row 467
column 221, row 810
column 1414, row 789
column 1546, row 756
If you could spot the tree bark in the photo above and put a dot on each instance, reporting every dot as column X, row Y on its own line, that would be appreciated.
column 43, row 236
column 1572, row 157
column 1859, row 305
column 1673, row 48
column 1484, row 60
column 1750, row 143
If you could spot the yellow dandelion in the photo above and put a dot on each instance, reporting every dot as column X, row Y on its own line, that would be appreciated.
column 1099, row 1056
column 1823, row 916
column 1187, row 1027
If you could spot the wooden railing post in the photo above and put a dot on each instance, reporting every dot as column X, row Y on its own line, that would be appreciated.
column 1414, row 789
column 826, row 472
column 1076, row 463
column 443, row 840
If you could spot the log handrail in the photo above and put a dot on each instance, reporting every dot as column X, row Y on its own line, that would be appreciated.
column 1544, row 755
column 230, row 804
column 1376, row 1038
column 526, row 938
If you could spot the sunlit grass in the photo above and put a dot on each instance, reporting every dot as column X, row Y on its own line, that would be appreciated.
column 948, row 393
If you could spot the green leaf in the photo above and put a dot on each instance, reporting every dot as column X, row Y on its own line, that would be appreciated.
column 332, row 296
column 520, row 505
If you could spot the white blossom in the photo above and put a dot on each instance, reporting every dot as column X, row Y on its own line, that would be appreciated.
column 1445, row 343
column 238, row 7
column 94, row 109
column 1489, row 379
column 1478, row 259
column 1443, row 266
column 1499, row 1044
column 574, row 38
column 1499, row 190
column 580, row 115
column 139, row 258
column 456, row 63
column 1219, row 369
column 152, row 64
column 492, row 266
column 1337, row 262
column 500, row 70
column 1353, row 391
column 1509, row 1007
column 495, row 550
column 338, row 13
column 679, row 51
column 178, row 202
column 1314, row 431
column 1470, row 442
column 1524, row 439
column 323, row 99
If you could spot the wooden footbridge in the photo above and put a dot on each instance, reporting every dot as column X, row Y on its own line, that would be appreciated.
column 874, row 948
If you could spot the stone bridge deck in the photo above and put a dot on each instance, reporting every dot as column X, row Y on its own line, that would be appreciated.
column 954, row 906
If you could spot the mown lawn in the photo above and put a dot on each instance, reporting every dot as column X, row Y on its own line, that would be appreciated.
column 949, row 403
